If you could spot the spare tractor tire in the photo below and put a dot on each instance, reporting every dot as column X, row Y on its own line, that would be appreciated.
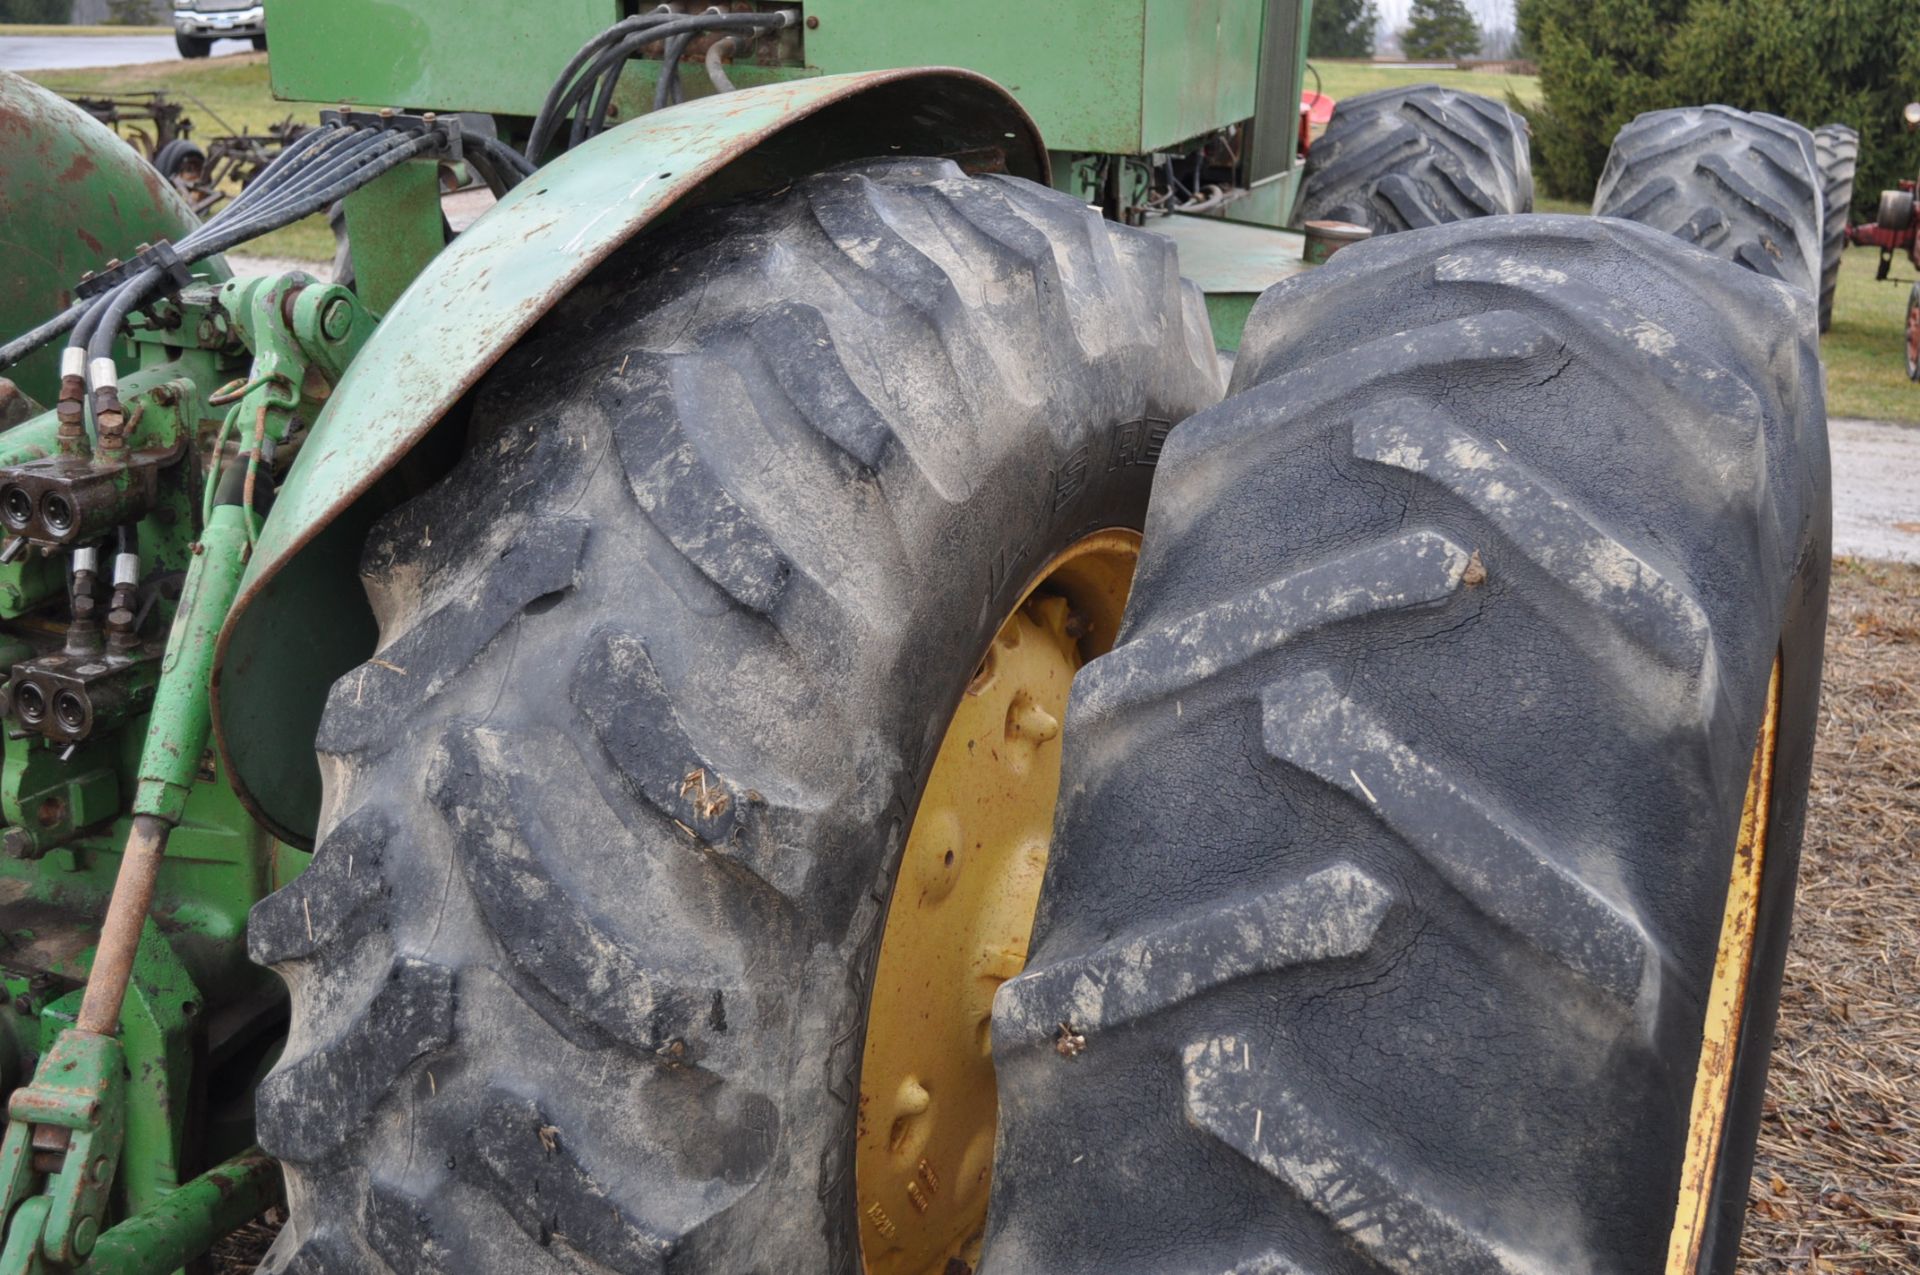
column 583, row 967
column 1399, row 159
column 1397, row 834
column 180, row 160
column 1836, row 149
column 1742, row 185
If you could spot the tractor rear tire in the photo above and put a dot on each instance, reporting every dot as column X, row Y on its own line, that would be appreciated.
column 1400, row 159
column 1742, row 185
column 580, row 969
column 1837, row 149
column 1389, row 867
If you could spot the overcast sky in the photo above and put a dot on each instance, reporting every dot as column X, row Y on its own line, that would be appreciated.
column 1494, row 13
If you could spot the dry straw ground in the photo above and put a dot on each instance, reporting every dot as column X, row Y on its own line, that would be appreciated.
column 1836, row 1187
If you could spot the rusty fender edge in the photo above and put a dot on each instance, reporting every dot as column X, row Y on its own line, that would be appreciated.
column 301, row 619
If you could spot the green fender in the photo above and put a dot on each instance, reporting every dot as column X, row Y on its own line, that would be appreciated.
column 72, row 196
column 301, row 619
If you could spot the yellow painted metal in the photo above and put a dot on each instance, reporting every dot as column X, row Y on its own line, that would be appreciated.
column 1726, row 1004
column 961, row 915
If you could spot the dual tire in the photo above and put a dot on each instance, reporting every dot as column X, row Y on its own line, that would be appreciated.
column 1380, row 922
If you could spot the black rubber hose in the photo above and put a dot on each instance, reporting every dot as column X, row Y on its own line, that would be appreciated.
column 318, row 200
column 565, row 98
column 666, row 90
column 52, row 330
column 269, row 178
column 483, row 166
column 547, row 118
column 502, row 155
column 322, row 173
column 115, row 308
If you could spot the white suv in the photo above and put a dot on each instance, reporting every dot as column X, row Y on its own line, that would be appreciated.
column 198, row 23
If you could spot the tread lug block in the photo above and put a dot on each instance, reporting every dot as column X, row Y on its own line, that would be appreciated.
column 314, row 1104
column 340, row 898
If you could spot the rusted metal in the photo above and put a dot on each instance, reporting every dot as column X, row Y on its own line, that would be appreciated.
column 120, row 933
column 481, row 295
column 71, row 196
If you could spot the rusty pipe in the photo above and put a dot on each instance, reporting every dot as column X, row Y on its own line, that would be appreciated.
column 120, row 933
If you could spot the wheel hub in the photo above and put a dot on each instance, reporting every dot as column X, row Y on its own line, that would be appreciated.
column 961, row 915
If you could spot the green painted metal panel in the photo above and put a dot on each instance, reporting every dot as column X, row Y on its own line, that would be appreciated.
column 1232, row 263
column 1076, row 65
column 476, row 55
column 1200, row 70
column 484, row 292
column 1120, row 76
column 395, row 227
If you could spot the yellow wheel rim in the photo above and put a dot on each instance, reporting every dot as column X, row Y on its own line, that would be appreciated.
column 961, row 915
column 1726, row 1004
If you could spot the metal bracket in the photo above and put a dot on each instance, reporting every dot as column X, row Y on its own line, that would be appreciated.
column 64, row 1132
column 446, row 129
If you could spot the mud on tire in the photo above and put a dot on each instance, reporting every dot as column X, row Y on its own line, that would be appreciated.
column 578, row 969
column 1388, row 871
column 1399, row 159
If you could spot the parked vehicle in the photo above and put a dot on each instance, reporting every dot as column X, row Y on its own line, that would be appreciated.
column 198, row 23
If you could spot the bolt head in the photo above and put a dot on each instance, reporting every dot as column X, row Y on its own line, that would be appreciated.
column 337, row 319
column 85, row 1232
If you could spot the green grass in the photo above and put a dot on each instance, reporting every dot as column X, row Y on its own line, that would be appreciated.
column 1865, row 350
column 1350, row 79
column 223, row 94
column 32, row 28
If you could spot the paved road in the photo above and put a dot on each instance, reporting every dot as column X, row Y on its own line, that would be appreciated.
column 54, row 52
column 1876, row 489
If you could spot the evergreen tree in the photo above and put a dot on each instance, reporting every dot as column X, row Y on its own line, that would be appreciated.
column 1440, row 30
column 1342, row 29
column 1604, row 61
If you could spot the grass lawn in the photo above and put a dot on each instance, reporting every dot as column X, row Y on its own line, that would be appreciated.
column 1865, row 351
column 1350, row 79
column 31, row 28
column 222, row 94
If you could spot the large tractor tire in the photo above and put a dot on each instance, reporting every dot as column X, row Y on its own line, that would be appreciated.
column 590, row 954
column 1837, row 150
column 1464, row 702
column 1400, row 159
column 1741, row 184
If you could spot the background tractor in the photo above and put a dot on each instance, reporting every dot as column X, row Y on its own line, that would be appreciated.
column 868, row 673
